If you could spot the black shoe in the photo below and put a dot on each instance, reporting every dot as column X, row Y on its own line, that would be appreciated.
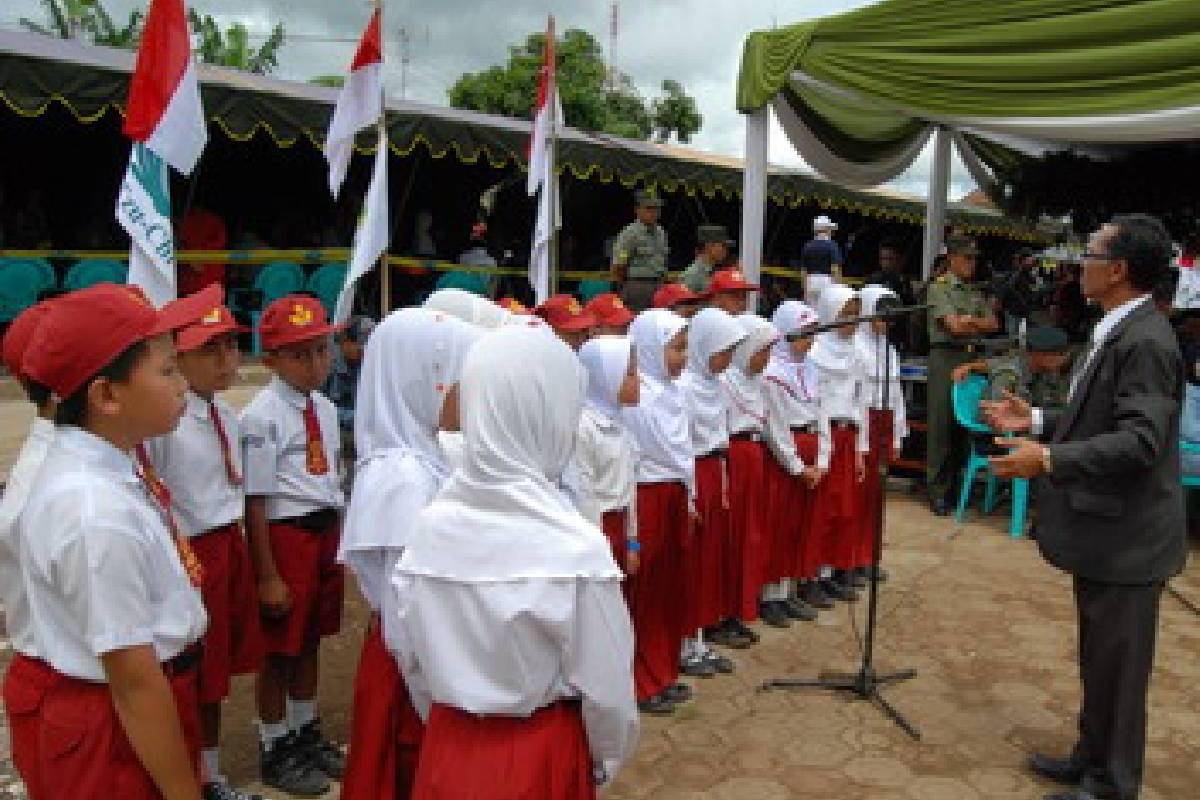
column 772, row 614
column 799, row 610
column 741, row 629
column 726, row 637
column 697, row 667
column 853, row 578
column 877, row 574
column 322, row 753
column 719, row 662
column 658, row 705
column 223, row 791
column 1059, row 770
column 677, row 693
column 286, row 766
column 838, row 591
column 939, row 506
column 815, row 596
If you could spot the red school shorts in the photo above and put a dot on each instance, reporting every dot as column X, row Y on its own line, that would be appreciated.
column 26, row 684
column 233, row 642
column 307, row 563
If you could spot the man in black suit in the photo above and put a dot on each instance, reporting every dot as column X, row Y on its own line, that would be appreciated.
column 1110, row 505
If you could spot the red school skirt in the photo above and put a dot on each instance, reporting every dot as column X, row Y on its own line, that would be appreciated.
column 707, row 587
column 233, row 642
column 871, row 491
column 747, row 559
column 470, row 757
column 805, row 561
column 782, row 512
column 26, row 684
column 82, row 749
column 307, row 563
column 837, row 505
column 655, row 593
column 385, row 731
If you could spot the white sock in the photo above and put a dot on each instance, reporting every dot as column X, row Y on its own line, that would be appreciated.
column 702, row 648
column 210, row 768
column 272, row 732
column 300, row 713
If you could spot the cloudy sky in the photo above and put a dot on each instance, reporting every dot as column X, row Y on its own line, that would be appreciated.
column 697, row 42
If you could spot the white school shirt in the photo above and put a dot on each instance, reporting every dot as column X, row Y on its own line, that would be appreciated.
column 842, row 396
column 709, row 421
column 16, row 495
column 873, row 383
column 99, row 564
column 275, row 452
column 606, row 466
column 785, row 411
column 747, row 411
column 190, row 461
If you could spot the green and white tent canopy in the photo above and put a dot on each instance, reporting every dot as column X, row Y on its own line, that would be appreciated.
column 860, row 94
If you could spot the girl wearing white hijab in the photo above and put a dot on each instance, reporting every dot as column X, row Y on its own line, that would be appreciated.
column 797, row 432
column 505, row 611
column 842, row 397
column 742, row 385
column 471, row 308
column 712, row 336
column 412, row 364
column 605, row 457
column 875, row 355
column 666, row 480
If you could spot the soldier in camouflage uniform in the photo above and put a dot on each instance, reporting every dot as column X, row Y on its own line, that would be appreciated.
column 640, row 254
column 713, row 246
column 959, row 314
column 1038, row 374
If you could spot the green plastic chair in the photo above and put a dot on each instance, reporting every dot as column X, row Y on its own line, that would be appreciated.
column 1189, row 481
column 90, row 271
column 590, row 288
column 472, row 282
column 276, row 279
column 326, row 283
column 965, row 397
column 22, row 281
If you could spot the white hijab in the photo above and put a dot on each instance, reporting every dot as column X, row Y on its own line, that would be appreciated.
column 412, row 359
column 743, row 389
column 469, row 308
column 501, row 516
column 605, row 359
column 868, row 344
column 831, row 351
column 659, row 423
column 798, row 377
column 711, row 331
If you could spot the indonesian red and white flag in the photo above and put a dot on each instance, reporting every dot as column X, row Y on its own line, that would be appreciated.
column 547, row 114
column 164, row 111
column 371, row 236
column 359, row 105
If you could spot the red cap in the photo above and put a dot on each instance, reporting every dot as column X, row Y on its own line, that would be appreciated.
column 292, row 319
column 608, row 309
column 563, row 313
column 670, row 295
column 513, row 306
column 19, row 333
column 85, row 330
column 217, row 321
column 730, row 280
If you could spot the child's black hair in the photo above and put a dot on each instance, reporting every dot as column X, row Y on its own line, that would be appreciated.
column 38, row 395
column 73, row 410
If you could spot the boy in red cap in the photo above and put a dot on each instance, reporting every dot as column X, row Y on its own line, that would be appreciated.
column 563, row 313
column 290, row 449
column 27, row 677
column 678, row 298
column 612, row 317
column 730, row 292
column 111, row 583
column 200, row 463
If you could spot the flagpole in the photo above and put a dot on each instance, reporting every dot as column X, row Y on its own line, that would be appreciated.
column 385, row 270
column 552, row 156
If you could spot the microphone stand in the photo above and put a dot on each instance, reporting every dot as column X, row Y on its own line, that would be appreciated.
column 866, row 683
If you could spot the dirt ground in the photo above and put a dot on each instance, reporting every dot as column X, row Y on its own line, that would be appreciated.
column 987, row 624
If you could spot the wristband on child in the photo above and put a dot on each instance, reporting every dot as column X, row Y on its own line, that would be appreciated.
column 633, row 545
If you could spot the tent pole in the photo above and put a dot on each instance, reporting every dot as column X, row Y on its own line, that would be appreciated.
column 935, row 203
column 754, row 194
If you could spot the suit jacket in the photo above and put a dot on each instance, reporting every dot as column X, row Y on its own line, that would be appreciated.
column 1113, row 509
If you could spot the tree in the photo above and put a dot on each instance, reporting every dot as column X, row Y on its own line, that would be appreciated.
column 592, row 100
column 676, row 113
column 73, row 19
column 231, row 47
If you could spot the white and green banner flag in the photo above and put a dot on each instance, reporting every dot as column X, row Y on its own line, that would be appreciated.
column 144, row 211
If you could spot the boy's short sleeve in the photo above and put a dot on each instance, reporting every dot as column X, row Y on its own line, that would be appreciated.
column 260, row 453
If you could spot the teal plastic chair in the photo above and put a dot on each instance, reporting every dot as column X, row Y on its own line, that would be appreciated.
column 326, row 283
column 22, row 280
column 473, row 282
column 965, row 397
column 90, row 271
column 1189, row 481
column 276, row 279
column 590, row 288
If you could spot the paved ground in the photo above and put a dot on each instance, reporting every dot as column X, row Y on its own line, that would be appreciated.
column 988, row 625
